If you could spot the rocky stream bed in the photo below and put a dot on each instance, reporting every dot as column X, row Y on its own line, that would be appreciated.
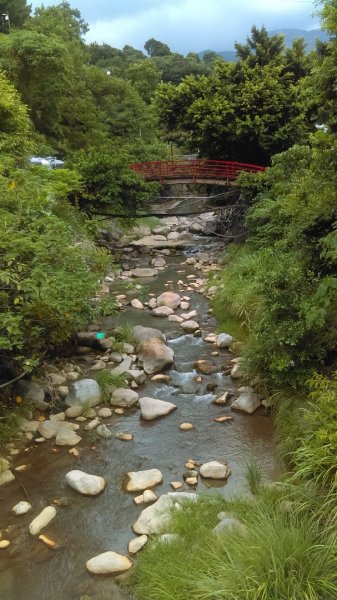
column 86, row 483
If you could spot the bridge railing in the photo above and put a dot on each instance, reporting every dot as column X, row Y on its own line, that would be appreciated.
column 194, row 169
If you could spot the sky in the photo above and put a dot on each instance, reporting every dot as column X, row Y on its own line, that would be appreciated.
column 188, row 25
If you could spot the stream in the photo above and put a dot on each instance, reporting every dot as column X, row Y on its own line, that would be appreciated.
column 87, row 526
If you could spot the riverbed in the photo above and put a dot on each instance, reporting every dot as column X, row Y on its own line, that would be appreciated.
column 87, row 526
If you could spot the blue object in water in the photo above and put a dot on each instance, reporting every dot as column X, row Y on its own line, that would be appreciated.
column 100, row 335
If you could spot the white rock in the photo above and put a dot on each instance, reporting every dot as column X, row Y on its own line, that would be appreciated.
column 223, row 340
column 84, row 392
column 137, row 544
column 162, row 311
column 135, row 303
column 151, row 408
column 29, row 426
column 149, row 496
column 186, row 426
column 124, row 397
column 156, row 517
column 175, row 319
column 104, row 412
column 190, row 326
column 104, row 432
column 214, row 470
column 6, row 476
column 154, row 355
column 237, row 371
column 4, row 544
column 108, row 562
column 82, row 482
column 140, row 333
column 74, row 411
column 141, row 480
column 22, row 508
column 170, row 299
column 58, row 417
column 67, row 437
column 123, row 367
column 248, row 400
column 42, row 520
column 188, row 316
column 92, row 424
column 136, row 375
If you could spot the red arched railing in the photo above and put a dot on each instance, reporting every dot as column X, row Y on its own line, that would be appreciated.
column 202, row 169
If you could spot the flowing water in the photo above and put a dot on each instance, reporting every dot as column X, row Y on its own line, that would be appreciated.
column 87, row 526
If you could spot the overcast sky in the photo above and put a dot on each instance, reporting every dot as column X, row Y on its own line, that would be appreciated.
column 188, row 25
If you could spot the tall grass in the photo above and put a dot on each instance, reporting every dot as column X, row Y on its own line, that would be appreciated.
column 282, row 553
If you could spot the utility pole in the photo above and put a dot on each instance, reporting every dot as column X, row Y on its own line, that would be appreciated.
column 5, row 23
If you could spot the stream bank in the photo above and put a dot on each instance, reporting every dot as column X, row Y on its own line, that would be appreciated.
column 87, row 526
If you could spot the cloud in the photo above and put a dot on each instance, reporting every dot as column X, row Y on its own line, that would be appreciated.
column 189, row 25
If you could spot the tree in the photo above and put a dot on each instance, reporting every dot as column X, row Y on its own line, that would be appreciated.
column 261, row 49
column 145, row 78
column 155, row 48
column 15, row 126
column 17, row 10
column 61, row 21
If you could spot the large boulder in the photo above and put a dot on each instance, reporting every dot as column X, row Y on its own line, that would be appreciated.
column 154, row 355
column 124, row 398
column 140, row 334
column 151, row 408
column 142, row 480
column 89, row 485
column 31, row 392
column 108, row 562
column 155, row 518
column 214, row 470
column 248, row 400
column 85, row 392
column 170, row 299
column 223, row 340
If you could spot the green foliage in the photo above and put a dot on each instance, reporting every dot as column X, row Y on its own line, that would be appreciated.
column 17, row 10
column 109, row 186
column 50, row 267
column 155, row 48
column 15, row 127
column 106, row 381
column 254, row 476
column 280, row 553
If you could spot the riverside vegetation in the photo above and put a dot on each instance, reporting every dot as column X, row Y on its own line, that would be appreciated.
column 277, row 290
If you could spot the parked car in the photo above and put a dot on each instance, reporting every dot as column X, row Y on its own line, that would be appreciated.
column 51, row 162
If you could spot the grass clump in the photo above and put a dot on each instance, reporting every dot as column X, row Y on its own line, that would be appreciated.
column 108, row 381
column 281, row 553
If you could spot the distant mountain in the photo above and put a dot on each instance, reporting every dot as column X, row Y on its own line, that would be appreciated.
column 290, row 35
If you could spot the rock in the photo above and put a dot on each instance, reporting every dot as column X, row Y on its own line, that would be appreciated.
column 186, row 427
column 176, row 485
column 151, row 408
column 89, row 485
column 221, row 400
column 85, row 392
column 155, row 518
column 184, row 305
column 138, row 499
column 49, row 429
column 195, row 228
column 6, row 476
column 141, row 480
column 29, row 426
column 160, row 377
column 116, row 357
column 104, row 432
column 229, row 523
column 135, row 303
column 188, row 316
column 149, row 496
column 58, row 416
column 214, row 470
column 124, row 397
column 31, row 392
column 57, row 379
column 173, row 235
column 161, row 230
column 162, row 311
column 128, row 348
column 92, row 424
column 158, row 262
column 210, row 338
column 137, row 544
column 42, row 520
column 237, row 371
column 205, row 367
column 168, row 538
column 170, row 299
column 63, row 390
column 175, row 319
column 136, row 375
column 66, row 437
column 192, row 481
column 104, row 412
column 144, row 272
column 152, row 303
column 123, row 367
column 223, row 340
column 22, row 508
column 248, row 400
column 124, row 437
column 154, row 355
column 98, row 366
column 223, row 419
column 190, row 326
column 140, row 334
column 74, row 411
column 108, row 563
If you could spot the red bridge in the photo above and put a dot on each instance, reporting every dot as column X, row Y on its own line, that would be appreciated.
column 219, row 172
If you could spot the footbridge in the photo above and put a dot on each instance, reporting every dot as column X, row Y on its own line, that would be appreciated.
column 217, row 172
